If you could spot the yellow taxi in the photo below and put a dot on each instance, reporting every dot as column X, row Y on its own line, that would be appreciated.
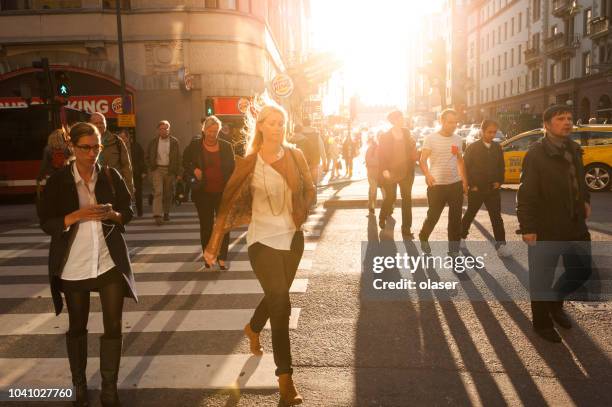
column 596, row 143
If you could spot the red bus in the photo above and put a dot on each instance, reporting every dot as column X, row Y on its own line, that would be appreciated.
column 23, row 136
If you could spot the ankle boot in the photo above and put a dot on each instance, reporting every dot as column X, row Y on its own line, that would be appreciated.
column 110, row 356
column 253, row 340
column 77, row 356
column 288, row 393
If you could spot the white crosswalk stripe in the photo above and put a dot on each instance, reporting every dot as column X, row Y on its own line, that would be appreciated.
column 224, row 303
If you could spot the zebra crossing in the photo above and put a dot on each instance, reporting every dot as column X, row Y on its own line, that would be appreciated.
column 185, row 332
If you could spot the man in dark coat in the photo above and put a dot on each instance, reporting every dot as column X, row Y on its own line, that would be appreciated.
column 553, row 204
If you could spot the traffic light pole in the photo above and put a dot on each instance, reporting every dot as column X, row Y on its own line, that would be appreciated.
column 125, row 106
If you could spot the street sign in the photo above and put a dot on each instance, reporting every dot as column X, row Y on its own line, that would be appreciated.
column 126, row 120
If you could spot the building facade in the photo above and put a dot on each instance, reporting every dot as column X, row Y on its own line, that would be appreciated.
column 177, row 53
column 524, row 55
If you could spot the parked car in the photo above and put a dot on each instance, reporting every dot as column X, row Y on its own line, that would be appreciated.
column 596, row 143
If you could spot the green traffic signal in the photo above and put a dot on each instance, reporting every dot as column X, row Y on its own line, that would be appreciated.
column 62, row 82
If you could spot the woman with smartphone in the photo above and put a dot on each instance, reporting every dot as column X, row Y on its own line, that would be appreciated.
column 84, row 209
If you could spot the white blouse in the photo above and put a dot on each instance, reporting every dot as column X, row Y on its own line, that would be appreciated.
column 271, row 220
column 89, row 256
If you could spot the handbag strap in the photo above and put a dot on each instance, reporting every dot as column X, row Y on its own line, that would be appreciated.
column 109, row 177
column 298, row 167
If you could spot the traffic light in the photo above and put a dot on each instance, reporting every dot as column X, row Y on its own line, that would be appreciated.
column 62, row 84
column 210, row 107
column 43, row 77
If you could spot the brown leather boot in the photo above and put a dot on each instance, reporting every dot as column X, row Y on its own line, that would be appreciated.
column 253, row 337
column 288, row 393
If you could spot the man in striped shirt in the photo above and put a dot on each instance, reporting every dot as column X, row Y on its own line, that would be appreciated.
column 442, row 164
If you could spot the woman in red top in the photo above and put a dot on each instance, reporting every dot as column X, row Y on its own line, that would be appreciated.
column 210, row 162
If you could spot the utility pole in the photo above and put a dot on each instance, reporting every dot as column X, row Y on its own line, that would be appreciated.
column 125, row 104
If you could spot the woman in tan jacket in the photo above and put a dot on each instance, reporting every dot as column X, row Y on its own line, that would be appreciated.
column 270, row 190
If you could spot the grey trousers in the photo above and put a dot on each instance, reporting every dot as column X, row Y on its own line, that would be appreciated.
column 163, row 190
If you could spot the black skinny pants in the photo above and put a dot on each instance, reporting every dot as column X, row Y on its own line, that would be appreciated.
column 437, row 197
column 138, row 193
column 492, row 201
column 275, row 270
column 111, row 298
column 405, row 187
column 207, row 205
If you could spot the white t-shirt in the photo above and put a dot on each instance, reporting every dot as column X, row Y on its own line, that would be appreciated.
column 276, row 229
column 442, row 161
column 163, row 151
column 89, row 256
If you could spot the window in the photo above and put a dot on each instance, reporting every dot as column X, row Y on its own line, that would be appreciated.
column 41, row 4
column 512, row 27
column 511, row 86
column 472, row 53
column 504, row 88
column 481, row 96
column 602, row 54
column 520, row 22
column 211, row 4
column 595, row 138
column 487, row 94
column 553, row 79
column 505, row 31
column 482, row 45
column 535, row 78
column 482, row 70
column 523, row 143
column 498, row 65
column 588, row 13
column 487, row 68
column 520, row 53
column 518, row 85
column 498, row 90
column 535, row 41
column 499, row 34
column 505, row 60
column 112, row 4
column 537, row 6
column 565, row 69
column 511, row 57
column 586, row 64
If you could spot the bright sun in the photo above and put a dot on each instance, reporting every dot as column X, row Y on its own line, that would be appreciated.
column 371, row 38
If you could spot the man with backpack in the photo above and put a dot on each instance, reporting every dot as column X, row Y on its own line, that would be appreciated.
column 115, row 153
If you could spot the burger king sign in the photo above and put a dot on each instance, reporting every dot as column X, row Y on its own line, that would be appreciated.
column 282, row 85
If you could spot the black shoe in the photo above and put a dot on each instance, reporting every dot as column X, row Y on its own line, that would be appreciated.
column 425, row 247
column 166, row 217
column 561, row 318
column 222, row 268
column 158, row 220
column 110, row 356
column 77, row 357
column 548, row 334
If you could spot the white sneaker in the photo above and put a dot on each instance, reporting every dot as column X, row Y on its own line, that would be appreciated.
column 503, row 251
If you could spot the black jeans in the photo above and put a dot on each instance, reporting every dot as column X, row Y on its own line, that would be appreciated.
column 405, row 186
column 492, row 201
column 543, row 259
column 437, row 198
column 275, row 270
column 207, row 205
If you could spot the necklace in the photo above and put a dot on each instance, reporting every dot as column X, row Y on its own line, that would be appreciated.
column 268, row 194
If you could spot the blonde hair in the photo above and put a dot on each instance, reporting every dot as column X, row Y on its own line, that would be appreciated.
column 164, row 122
column 57, row 139
column 211, row 121
column 255, row 136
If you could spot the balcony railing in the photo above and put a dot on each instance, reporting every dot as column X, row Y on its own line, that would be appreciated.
column 560, row 45
column 532, row 55
column 599, row 27
column 562, row 7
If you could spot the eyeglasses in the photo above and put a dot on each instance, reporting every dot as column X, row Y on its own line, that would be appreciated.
column 86, row 148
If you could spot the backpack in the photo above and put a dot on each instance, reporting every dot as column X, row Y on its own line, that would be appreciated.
column 310, row 147
column 58, row 158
